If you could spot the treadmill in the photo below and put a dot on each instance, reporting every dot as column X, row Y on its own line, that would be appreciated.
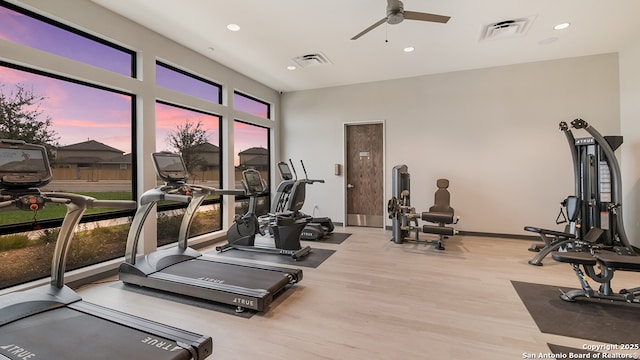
column 52, row 321
column 185, row 271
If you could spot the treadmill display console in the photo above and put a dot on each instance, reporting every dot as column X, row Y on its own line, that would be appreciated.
column 170, row 167
column 253, row 181
column 23, row 165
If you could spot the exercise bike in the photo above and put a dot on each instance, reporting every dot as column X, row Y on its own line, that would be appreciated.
column 284, row 227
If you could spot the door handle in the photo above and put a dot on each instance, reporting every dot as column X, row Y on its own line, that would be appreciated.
column 349, row 186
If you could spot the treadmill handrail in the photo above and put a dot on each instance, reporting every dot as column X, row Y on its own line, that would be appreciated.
column 151, row 197
column 147, row 201
column 201, row 192
column 76, row 206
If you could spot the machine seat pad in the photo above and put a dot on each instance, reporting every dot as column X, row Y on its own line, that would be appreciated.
column 438, row 217
column 574, row 257
column 617, row 261
column 550, row 232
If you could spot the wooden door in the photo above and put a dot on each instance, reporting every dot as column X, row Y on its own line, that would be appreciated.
column 365, row 175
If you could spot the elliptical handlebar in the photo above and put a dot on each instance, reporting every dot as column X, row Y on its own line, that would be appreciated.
column 306, row 179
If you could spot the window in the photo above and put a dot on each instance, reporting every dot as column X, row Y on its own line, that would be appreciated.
column 91, row 136
column 182, row 81
column 30, row 29
column 251, row 105
column 88, row 131
column 251, row 151
column 196, row 136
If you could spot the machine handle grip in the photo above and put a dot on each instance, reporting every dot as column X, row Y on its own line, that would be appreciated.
column 6, row 203
column 230, row 192
column 550, row 232
column 177, row 197
column 115, row 204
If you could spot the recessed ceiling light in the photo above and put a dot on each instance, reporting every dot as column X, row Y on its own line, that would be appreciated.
column 409, row 49
column 562, row 26
column 291, row 67
column 233, row 27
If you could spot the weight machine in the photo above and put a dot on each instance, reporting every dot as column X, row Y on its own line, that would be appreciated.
column 403, row 214
column 597, row 201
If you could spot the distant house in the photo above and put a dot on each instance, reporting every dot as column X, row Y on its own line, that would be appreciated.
column 92, row 160
column 210, row 155
column 254, row 158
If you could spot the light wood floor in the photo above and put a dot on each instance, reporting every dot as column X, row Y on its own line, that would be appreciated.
column 374, row 299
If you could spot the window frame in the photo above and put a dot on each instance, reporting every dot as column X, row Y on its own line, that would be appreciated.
column 267, row 194
column 167, row 207
column 53, row 223
column 71, row 29
column 193, row 76
column 253, row 98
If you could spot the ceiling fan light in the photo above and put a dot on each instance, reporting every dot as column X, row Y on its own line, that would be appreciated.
column 233, row 27
column 409, row 49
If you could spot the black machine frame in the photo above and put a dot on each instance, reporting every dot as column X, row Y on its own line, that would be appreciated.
column 402, row 214
column 285, row 228
column 597, row 198
column 290, row 196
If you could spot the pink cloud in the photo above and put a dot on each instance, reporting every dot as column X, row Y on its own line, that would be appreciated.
column 88, row 124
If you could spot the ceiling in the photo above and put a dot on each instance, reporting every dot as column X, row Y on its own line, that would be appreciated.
column 275, row 32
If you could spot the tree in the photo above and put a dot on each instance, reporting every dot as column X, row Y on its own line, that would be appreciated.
column 21, row 118
column 185, row 139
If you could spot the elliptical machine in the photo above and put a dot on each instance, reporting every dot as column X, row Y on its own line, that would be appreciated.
column 283, row 202
column 286, row 229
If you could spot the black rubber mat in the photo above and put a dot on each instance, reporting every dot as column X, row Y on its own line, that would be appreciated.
column 333, row 238
column 185, row 300
column 590, row 319
column 312, row 260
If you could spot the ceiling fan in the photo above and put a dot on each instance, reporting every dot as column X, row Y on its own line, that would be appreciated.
column 396, row 14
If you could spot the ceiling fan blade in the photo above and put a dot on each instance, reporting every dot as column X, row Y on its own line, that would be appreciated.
column 412, row 15
column 382, row 21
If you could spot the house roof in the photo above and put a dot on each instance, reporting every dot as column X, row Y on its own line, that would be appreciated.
column 123, row 159
column 89, row 145
column 255, row 151
column 206, row 147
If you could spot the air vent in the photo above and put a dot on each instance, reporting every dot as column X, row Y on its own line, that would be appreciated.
column 313, row 59
column 507, row 29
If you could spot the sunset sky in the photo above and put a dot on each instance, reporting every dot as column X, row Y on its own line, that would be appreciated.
column 80, row 113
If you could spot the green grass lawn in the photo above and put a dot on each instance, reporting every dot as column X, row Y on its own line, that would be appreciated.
column 55, row 211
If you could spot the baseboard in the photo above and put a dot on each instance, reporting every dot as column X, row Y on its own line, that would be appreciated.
column 494, row 235
column 499, row 235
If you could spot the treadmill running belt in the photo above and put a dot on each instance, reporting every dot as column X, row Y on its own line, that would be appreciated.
column 66, row 334
column 243, row 276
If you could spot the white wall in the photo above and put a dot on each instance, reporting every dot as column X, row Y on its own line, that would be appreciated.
column 493, row 132
column 630, row 126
